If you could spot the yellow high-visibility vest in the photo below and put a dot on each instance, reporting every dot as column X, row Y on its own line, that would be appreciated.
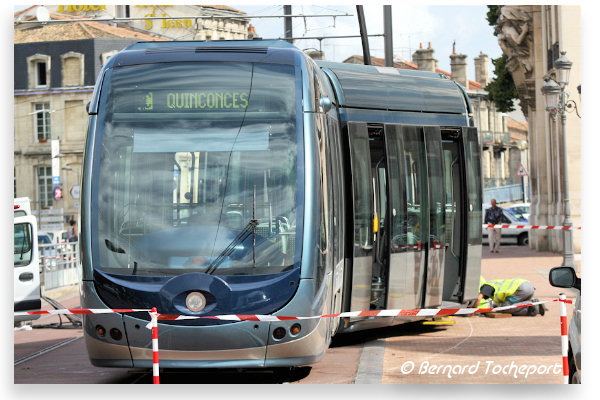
column 504, row 288
column 484, row 303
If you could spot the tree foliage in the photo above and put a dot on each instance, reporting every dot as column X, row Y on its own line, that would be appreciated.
column 501, row 90
column 492, row 16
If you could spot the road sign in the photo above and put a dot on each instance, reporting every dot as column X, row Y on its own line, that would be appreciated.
column 522, row 171
column 51, row 219
column 57, row 193
column 75, row 190
column 55, row 150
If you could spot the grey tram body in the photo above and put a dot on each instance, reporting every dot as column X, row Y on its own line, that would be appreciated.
column 363, row 98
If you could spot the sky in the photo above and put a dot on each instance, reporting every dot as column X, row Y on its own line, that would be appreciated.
column 411, row 25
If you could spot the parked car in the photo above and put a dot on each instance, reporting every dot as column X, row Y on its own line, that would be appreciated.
column 521, row 210
column 518, row 236
column 566, row 277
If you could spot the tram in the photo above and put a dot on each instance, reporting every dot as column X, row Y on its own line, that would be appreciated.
column 242, row 177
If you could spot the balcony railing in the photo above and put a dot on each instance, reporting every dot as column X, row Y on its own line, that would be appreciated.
column 504, row 137
column 487, row 137
column 497, row 182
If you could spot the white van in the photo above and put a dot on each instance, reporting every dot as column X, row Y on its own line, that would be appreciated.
column 22, row 207
column 27, row 289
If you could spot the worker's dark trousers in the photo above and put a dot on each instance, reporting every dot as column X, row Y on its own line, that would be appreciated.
column 523, row 294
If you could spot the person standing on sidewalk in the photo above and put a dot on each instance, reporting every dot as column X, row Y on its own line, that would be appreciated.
column 508, row 292
column 493, row 216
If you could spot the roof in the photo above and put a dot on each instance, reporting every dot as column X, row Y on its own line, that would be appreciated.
column 518, row 130
column 223, row 8
column 76, row 31
column 356, row 59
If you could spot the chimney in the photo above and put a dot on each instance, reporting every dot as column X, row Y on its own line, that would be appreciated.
column 481, row 69
column 424, row 58
column 458, row 68
column 251, row 31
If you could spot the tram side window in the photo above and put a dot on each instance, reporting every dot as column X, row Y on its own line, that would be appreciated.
column 473, row 157
column 362, row 189
column 450, row 200
column 397, row 177
column 437, row 196
column 325, row 245
column 417, row 226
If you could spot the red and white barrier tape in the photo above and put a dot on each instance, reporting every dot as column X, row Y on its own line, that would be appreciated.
column 155, row 316
column 425, row 312
column 542, row 227
column 78, row 311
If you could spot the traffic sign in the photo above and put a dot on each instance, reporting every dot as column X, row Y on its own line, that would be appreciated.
column 75, row 190
column 57, row 193
column 522, row 171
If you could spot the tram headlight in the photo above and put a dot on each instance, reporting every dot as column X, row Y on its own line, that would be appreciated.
column 279, row 333
column 116, row 334
column 195, row 301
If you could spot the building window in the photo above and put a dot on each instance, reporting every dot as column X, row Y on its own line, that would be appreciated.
column 38, row 69
column 42, row 121
column 45, row 186
column 40, row 74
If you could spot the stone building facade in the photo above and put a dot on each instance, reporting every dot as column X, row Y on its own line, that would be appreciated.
column 53, row 81
column 532, row 37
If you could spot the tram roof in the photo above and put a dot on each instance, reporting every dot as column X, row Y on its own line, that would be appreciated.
column 393, row 89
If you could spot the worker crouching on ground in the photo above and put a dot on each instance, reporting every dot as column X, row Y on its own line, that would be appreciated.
column 508, row 292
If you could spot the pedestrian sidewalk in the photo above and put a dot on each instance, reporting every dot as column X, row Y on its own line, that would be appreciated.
column 478, row 349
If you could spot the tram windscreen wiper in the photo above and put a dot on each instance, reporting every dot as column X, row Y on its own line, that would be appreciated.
column 248, row 230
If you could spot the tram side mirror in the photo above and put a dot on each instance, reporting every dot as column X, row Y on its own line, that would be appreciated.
column 87, row 106
column 564, row 277
column 325, row 103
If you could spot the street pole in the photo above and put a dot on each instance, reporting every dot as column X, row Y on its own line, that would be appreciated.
column 287, row 11
column 363, row 34
column 568, row 258
column 387, row 31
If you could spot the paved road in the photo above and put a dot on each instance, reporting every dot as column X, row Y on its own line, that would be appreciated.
column 473, row 350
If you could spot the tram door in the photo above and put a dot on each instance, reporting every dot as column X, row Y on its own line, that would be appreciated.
column 462, row 185
column 455, row 223
column 370, row 254
column 398, row 216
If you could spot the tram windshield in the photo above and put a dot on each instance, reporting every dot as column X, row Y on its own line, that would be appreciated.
column 198, row 169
